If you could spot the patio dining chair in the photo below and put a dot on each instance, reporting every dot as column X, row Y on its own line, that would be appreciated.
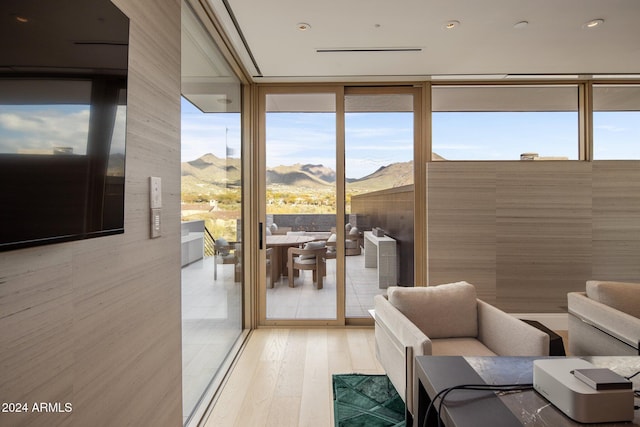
column 310, row 257
column 225, row 253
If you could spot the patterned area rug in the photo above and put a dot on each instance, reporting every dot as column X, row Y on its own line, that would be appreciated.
column 366, row 400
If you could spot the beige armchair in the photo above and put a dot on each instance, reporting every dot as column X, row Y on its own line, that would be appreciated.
column 444, row 320
column 605, row 320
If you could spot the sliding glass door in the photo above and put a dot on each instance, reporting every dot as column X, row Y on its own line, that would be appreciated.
column 338, row 200
column 300, row 205
column 379, row 190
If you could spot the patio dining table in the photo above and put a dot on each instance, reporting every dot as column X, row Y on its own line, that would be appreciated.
column 280, row 244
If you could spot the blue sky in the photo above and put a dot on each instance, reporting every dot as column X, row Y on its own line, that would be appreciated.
column 377, row 139
column 616, row 135
column 372, row 139
column 208, row 133
column 505, row 135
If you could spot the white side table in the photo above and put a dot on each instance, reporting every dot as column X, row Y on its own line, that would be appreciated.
column 380, row 252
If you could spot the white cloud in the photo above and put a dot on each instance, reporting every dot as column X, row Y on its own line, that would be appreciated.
column 611, row 128
column 43, row 129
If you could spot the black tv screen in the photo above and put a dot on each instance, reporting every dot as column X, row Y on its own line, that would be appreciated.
column 63, row 95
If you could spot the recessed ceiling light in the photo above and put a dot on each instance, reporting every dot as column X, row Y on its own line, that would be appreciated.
column 303, row 26
column 22, row 19
column 593, row 23
column 520, row 25
column 450, row 25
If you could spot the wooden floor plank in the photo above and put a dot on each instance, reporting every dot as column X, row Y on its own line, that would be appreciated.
column 289, row 383
column 284, row 412
column 283, row 376
column 257, row 401
column 361, row 353
column 228, row 405
column 315, row 405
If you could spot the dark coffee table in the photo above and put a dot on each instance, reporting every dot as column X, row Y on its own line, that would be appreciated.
column 482, row 408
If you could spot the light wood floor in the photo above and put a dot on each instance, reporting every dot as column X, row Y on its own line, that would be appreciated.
column 283, row 376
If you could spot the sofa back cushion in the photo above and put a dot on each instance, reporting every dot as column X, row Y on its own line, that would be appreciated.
column 443, row 311
column 622, row 296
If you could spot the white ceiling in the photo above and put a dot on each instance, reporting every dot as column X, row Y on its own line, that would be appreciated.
column 485, row 42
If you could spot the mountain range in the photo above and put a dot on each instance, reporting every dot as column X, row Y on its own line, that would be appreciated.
column 210, row 170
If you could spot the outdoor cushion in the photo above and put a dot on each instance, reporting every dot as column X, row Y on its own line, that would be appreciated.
column 222, row 246
column 312, row 245
column 331, row 239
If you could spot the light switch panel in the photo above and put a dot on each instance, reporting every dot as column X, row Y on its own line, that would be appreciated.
column 156, row 229
column 155, row 192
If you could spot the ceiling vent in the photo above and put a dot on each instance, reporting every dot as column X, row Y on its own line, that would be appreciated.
column 370, row 49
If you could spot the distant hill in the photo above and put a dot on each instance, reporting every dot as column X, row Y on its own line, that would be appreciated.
column 393, row 175
column 210, row 171
column 301, row 176
column 213, row 172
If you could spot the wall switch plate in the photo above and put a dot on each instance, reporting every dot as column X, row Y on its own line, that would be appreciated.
column 156, row 230
column 155, row 192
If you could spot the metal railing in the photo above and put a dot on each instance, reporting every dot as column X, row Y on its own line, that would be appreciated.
column 209, row 243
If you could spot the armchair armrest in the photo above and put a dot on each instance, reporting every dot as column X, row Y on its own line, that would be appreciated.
column 618, row 324
column 507, row 335
column 398, row 341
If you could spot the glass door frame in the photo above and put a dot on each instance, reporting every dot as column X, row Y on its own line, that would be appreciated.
column 421, row 154
column 420, row 92
column 263, row 91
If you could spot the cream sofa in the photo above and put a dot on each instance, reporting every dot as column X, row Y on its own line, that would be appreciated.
column 605, row 320
column 444, row 320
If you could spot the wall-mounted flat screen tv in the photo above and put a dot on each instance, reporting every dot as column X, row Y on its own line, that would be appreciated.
column 63, row 97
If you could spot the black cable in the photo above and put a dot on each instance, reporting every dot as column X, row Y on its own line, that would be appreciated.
column 489, row 387
column 631, row 376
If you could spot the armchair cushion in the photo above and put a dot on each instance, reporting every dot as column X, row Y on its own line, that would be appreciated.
column 601, row 322
column 222, row 246
column 444, row 303
column 622, row 296
column 312, row 245
column 460, row 347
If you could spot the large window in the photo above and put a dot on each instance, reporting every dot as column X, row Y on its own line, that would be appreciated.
column 616, row 122
column 505, row 122
column 211, row 195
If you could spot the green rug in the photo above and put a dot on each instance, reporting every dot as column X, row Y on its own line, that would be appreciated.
column 366, row 400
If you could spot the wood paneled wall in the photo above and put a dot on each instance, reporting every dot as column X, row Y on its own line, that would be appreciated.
column 392, row 210
column 97, row 323
column 526, row 233
column 616, row 221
